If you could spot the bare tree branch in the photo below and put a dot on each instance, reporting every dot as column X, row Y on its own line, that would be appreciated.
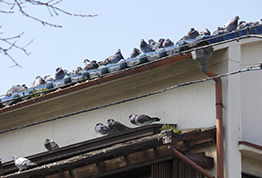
column 52, row 8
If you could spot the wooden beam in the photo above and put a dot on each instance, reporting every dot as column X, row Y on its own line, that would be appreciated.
column 205, row 162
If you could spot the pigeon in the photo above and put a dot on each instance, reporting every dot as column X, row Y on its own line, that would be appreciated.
column 102, row 129
column 160, row 43
column 90, row 65
column 135, row 53
column 78, row 70
column 1, row 167
column 153, row 44
column 142, row 119
column 50, row 145
column 232, row 24
column 113, row 59
column 48, row 78
column 38, row 81
column 182, row 40
column 59, row 74
column 192, row 34
column 16, row 89
column 22, row 163
column 168, row 43
column 145, row 47
column 205, row 32
column 219, row 31
column 242, row 24
column 116, row 127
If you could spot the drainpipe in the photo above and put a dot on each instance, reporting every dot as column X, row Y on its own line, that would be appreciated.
column 190, row 162
column 202, row 56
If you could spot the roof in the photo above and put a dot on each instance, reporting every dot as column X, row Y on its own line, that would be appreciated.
column 144, row 62
column 114, row 153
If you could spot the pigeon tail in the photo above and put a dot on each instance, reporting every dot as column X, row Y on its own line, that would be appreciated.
column 156, row 118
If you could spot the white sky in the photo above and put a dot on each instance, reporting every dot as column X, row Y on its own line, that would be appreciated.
column 120, row 24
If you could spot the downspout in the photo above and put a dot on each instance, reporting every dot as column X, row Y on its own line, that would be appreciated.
column 202, row 56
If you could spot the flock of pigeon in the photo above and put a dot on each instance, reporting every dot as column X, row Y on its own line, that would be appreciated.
column 113, row 127
column 145, row 47
column 117, row 127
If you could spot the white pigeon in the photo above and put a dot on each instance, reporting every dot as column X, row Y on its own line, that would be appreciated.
column 22, row 163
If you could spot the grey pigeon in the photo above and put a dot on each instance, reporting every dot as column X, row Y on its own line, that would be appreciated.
column 142, row 119
column 232, row 24
column 22, row 163
column 135, row 53
column 59, row 73
column 48, row 78
column 219, row 31
column 145, row 48
column 16, row 89
column 153, row 44
column 113, row 59
column 90, row 65
column 78, row 70
column 182, row 40
column 1, row 167
column 101, row 129
column 38, row 81
column 242, row 24
column 117, row 127
column 50, row 145
column 160, row 43
column 205, row 32
column 168, row 43
column 192, row 34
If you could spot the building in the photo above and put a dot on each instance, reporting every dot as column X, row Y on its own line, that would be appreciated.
column 163, row 88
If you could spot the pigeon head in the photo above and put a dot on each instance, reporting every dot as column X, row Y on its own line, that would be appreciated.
column 47, row 141
column 151, row 41
column 142, row 43
column 235, row 20
column 98, row 125
column 58, row 69
column 118, row 51
column 135, row 52
column 46, row 76
column 86, row 61
column 160, row 42
column 110, row 121
column 15, row 157
column 132, row 116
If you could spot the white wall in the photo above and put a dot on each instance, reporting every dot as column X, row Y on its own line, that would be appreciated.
column 191, row 106
column 251, row 94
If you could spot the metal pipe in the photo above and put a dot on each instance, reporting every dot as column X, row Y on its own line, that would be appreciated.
column 202, row 56
column 219, row 125
column 190, row 162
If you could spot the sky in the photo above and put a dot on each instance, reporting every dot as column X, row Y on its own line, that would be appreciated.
column 119, row 25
